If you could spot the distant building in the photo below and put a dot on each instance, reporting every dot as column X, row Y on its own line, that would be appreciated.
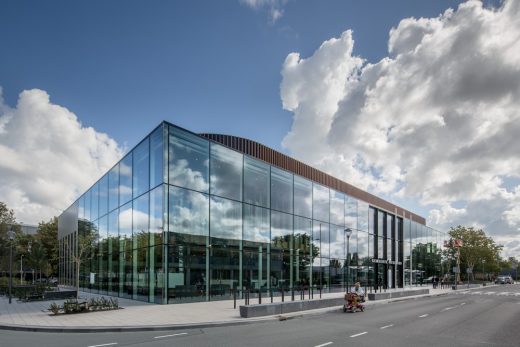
column 28, row 229
column 189, row 217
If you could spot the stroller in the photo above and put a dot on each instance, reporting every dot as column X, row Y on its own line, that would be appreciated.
column 353, row 303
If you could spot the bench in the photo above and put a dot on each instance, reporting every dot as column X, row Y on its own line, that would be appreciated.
column 34, row 296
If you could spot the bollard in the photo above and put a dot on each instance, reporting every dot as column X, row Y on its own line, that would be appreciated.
column 234, row 298
column 292, row 293
column 271, row 292
column 260, row 296
column 320, row 292
column 282, row 295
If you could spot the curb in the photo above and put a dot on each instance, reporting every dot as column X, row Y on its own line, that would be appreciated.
column 75, row 329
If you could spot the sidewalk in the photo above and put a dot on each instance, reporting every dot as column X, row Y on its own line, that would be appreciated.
column 144, row 316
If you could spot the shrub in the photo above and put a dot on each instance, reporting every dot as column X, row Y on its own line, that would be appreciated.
column 114, row 304
column 55, row 308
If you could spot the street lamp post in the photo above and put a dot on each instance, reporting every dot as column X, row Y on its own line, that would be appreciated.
column 348, row 232
column 21, row 269
column 10, row 235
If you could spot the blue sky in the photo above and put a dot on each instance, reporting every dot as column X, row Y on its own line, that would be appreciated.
column 406, row 99
column 209, row 66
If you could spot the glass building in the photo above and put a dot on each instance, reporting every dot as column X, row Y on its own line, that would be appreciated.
column 191, row 217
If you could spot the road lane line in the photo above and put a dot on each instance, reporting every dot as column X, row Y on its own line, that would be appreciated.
column 363, row 333
column 462, row 304
column 325, row 344
column 105, row 344
column 448, row 308
column 163, row 336
column 387, row 326
column 424, row 315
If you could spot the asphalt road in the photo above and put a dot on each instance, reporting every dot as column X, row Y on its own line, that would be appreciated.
column 482, row 317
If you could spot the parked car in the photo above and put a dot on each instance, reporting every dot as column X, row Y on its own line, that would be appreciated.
column 504, row 280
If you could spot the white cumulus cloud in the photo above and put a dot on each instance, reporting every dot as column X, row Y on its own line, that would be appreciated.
column 273, row 7
column 47, row 158
column 436, row 120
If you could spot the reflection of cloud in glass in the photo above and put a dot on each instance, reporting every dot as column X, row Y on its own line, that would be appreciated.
column 125, row 190
column 226, row 219
column 184, row 176
column 337, row 208
column 188, row 212
column 256, row 224
column 320, row 202
column 125, row 219
column 139, row 218
column 337, row 243
column 125, row 170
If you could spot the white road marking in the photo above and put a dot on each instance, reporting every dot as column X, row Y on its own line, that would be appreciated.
column 462, row 304
column 448, row 308
column 387, row 326
column 476, row 293
column 490, row 293
column 424, row 315
column 363, row 333
column 179, row 334
column 105, row 344
column 325, row 344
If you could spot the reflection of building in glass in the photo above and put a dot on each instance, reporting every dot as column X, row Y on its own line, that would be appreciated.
column 187, row 217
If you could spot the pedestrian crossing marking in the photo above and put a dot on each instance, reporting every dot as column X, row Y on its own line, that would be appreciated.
column 467, row 292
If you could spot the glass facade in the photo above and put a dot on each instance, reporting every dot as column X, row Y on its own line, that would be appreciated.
column 181, row 218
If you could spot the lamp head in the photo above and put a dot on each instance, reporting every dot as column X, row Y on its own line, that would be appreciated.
column 348, row 232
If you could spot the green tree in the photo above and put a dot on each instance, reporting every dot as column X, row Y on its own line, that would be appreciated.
column 476, row 246
column 7, row 219
column 83, row 249
column 38, row 260
column 47, row 237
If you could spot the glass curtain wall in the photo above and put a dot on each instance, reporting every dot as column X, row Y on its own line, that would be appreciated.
column 181, row 218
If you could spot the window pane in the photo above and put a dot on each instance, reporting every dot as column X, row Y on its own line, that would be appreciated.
column 125, row 221
column 81, row 207
column 281, row 190
column 320, row 202
column 337, row 208
column 226, row 219
column 156, row 157
column 256, row 182
column 103, row 195
column 351, row 213
column 156, row 215
column 94, row 212
column 321, row 238
column 302, row 238
column 113, row 188
column 189, row 212
column 188, row 160
column 338, row 242
column 88, row 207
column 281, row 246
column 226, row 172
column 256, row 224
column 141, row 168
column 125, row 179
column 302, row 197
column 140, row 219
